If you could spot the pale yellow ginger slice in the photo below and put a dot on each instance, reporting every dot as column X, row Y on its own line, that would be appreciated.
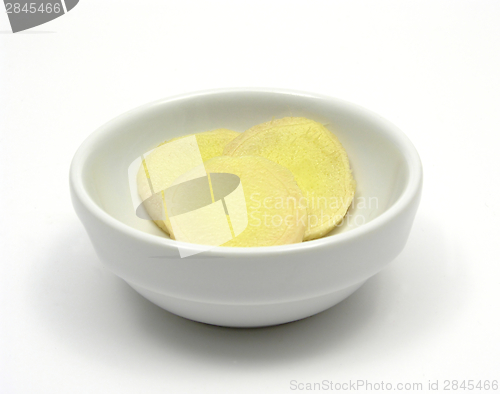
column 316, row 159
column 251, row 202
column 211, row 143
column 171, row 159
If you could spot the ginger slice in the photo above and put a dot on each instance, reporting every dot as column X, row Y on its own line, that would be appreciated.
column 171, row 159
column 253, row 202
column 316, row 159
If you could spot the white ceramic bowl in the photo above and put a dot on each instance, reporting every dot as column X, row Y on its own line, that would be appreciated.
column 247, row 287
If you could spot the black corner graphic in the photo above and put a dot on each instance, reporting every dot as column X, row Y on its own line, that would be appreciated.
column 70, row 4
column 24, row 15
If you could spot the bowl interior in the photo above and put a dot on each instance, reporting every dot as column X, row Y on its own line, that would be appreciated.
column 377, row 156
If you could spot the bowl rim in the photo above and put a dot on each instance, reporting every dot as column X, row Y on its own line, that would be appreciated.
column 411, row 190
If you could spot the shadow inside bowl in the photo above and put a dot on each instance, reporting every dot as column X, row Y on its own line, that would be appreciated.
column 99, row 316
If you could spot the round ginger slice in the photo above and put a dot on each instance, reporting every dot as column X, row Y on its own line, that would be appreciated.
column 171, row 159
column 252, row 202
column 211, row 143
column 316, row 159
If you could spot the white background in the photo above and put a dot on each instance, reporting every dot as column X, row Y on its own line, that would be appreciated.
column 432, row 68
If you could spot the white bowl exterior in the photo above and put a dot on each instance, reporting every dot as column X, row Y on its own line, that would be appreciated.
column 249, row 287
column 261, row 277
column 247, row 315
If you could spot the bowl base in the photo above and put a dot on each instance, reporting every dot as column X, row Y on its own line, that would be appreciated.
column 247, row 315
